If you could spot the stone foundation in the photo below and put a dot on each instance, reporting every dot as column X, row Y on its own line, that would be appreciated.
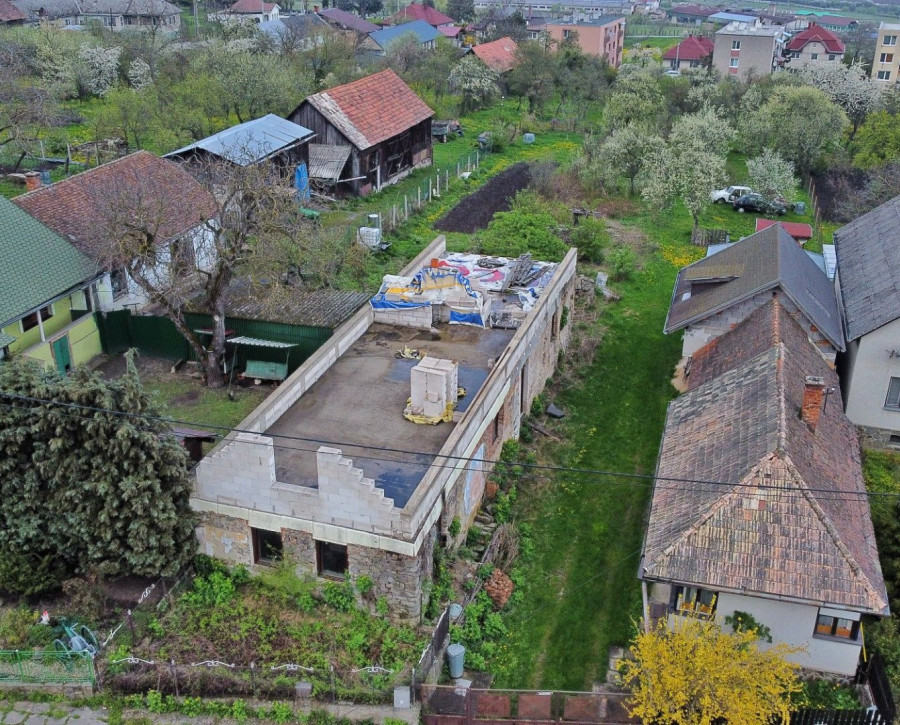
column 878, row 438
column 225, row 537
column 300, row 549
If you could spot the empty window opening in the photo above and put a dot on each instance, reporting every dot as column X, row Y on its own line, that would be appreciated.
column 331, row 559
column 268, row 547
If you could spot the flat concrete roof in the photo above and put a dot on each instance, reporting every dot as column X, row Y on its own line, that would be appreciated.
column 359, row 401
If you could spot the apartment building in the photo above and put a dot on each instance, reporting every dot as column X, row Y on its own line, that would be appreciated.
column 604, row 36
column 886, row 64
column 747, row 50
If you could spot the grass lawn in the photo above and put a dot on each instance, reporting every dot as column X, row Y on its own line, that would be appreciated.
column 188, row 400
column 582, row 589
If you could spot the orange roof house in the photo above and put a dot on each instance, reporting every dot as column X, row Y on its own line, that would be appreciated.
column 498, row 55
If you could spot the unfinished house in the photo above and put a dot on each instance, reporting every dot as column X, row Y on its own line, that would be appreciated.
column 368, row 133
column 360, row 462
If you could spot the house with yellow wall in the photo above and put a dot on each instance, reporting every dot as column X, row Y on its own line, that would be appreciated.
column 48, row 292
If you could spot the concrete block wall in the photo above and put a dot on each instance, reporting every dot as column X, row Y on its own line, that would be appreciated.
column 419, row 318
column 345, row 492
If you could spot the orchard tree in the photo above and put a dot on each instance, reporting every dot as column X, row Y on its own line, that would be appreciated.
column 696, row 674
column 878, row 140
column 97, row 69
column 849, row 87
column 625, row 152
column 690, row 164
column 771, row 175
column 475, row 82
column 636, row 99
column 532, row 78
column 84, row 489
column 799, row 122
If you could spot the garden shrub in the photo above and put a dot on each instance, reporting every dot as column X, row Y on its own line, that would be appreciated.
column 513, row 233
column 591, row 239
column 214, row 590
column 15, row 627
column 339, row 595
column 622, row 263
column 827, row 695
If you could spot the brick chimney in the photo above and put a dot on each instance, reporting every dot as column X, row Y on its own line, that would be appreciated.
column 813, row 395
column 32, row 181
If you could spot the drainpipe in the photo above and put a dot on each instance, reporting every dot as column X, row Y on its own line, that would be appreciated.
column 646, row 607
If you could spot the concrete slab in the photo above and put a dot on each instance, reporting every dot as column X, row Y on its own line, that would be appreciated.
column 357, row 406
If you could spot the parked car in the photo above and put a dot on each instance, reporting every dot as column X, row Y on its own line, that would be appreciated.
column 759, row 203
column 730, row 194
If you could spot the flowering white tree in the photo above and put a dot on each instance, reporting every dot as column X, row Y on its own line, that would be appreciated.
column 99, row 68
column 772, row 175
column 139, row 74
column 691, row 163
column 849, row 87
column 475, row 81
column 623, row 153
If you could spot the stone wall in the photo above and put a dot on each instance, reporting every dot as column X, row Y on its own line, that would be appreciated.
column 225, row 537
column 300, row 548
column 399, row 579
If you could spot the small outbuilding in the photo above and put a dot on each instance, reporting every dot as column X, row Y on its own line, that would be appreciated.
column 268, row 138
column 376, row 129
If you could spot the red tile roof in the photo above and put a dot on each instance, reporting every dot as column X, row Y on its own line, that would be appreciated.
column 816, row 34
column 9, row 13
column 691, row 48
column 498, row 55
column 797, row 230
column 372, row 109
column 251, row 6
column 837, row 20
column 789, row 517
column 450, row 31
column 416, row 11
column 78, row 208
column 703, row 11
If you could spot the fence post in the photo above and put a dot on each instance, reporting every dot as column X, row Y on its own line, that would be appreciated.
column 131, row 628
column 174, row 676
column 405, row 208
column 477, row 158
column 418, row 197
column 457, row 169
column 439, row 183
column 446, row 178
column 468, row 163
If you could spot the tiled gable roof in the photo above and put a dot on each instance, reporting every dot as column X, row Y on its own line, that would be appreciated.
column 748, row 497
column 417, row 11
column 37, row 264
column 372, row 109
column 767, row 260
column 692, row 48
column 348, row 20
column 498, row 55
column 816, row 34
column 868, row 257
column 78, row 208
column 9, row 13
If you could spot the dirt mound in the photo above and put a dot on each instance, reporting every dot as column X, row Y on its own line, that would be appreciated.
column 476, row 210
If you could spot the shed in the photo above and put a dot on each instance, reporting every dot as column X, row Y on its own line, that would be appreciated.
column 424, row 33
column 383, row 123
column 269, row 137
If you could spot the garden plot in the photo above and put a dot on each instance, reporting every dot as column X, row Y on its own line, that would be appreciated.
column 475, row 211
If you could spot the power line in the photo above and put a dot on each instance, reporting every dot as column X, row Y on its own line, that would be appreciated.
column 642, row 479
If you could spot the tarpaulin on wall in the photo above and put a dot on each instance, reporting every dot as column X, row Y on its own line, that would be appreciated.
column 431, row 286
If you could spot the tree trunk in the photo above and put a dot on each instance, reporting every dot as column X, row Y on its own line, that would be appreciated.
column 215, row 376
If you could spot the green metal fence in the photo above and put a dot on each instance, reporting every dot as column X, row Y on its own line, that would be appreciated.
column 156, row 336
column 26, row 667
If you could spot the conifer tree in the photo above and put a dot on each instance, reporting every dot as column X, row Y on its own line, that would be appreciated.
column 85, row 489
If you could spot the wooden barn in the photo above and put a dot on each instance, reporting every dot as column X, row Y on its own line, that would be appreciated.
column 368, row 134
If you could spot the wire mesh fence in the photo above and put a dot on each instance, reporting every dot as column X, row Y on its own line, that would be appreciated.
column 43, row 666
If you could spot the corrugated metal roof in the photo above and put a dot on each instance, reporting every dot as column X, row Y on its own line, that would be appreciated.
column 422, row 30
column 326, row 161
column 250, row 142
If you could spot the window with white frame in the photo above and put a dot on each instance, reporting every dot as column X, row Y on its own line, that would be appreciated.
column 884, row 75
column 735, row 44
column 831, row 56
column 893, row 395
column 733, row 63
column 887, row 57
column 693, row 600
column 814, row 56
column 889, row 40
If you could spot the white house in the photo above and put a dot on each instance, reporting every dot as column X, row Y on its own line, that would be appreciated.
column 759, row 503
column 868, row 287
column 255, row 11
column 81, row 209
